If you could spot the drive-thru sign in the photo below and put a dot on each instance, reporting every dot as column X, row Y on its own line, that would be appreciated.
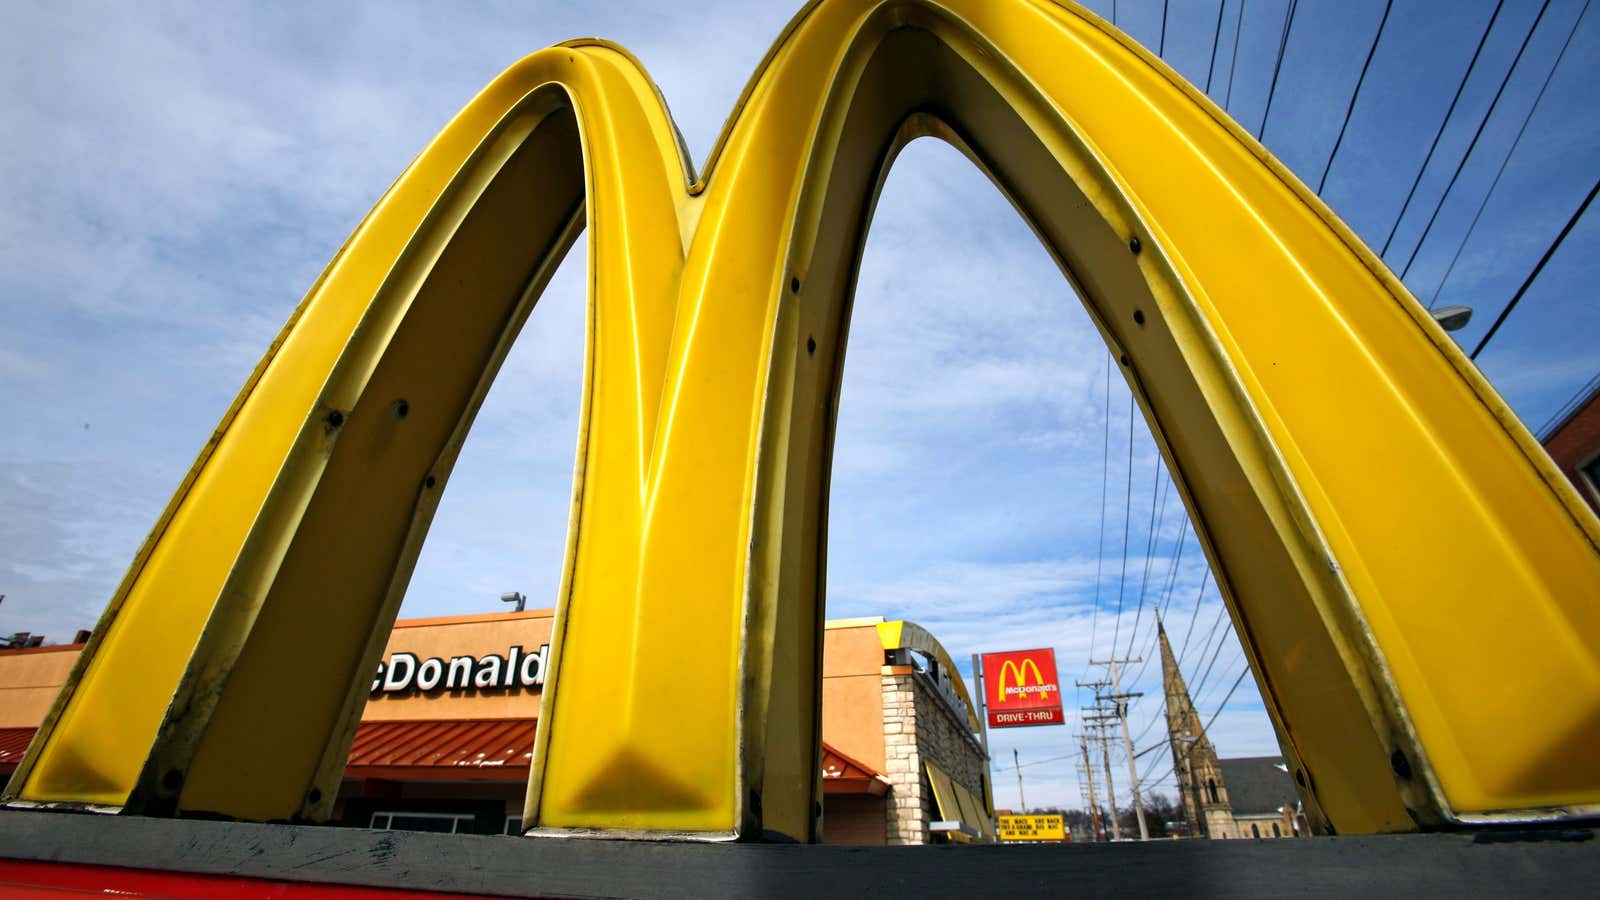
column 1020, row 688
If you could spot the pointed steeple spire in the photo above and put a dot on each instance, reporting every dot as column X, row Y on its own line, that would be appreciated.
column 1194, row 760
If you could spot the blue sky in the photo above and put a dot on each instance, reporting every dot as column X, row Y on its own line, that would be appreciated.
column 176, row 175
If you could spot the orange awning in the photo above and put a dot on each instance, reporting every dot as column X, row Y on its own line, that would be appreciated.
column 452, row 749
column 13, row 743
column 473, row 750
column 843, row 775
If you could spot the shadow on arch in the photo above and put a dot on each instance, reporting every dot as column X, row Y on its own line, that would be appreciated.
column 1379, row 522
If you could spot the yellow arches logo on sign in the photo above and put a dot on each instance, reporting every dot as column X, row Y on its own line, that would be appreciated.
column 1356, row 483
column 1018, row 681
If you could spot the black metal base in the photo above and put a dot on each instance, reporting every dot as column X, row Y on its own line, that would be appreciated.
column 1490, row 864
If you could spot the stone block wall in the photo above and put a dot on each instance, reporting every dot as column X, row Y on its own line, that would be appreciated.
column 918, row 726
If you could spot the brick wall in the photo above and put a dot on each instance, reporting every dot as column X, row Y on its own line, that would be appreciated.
column 1575, row 443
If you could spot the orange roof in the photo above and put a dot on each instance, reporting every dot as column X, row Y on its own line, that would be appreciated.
column 843, row 775
column 492, row 749
column 13, row 743
column 473, row 750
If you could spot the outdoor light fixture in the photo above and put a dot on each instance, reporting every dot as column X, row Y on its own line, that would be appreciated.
column 1453, row 318
column 515, row 597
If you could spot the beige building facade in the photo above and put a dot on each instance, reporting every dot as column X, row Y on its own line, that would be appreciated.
column 446, row 738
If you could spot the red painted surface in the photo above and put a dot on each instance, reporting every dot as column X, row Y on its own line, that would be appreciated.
column 1020, row 688
column 58, row 881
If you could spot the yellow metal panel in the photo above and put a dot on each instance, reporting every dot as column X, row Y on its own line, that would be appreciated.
column 972, row 811
column 944, row 793
column 1389, row 539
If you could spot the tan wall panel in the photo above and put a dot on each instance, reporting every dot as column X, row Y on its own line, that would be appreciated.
column 852, row 717
column 851, row 651
column 29, row 682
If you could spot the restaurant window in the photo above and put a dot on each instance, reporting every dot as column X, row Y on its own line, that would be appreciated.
column 1591, row 474
column 440, row 823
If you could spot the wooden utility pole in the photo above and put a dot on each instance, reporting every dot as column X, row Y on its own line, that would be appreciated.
column 1120, row 701
column 1016, row 761
column 1088, row 774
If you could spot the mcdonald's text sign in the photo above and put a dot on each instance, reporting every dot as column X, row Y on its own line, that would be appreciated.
column 1020, row 688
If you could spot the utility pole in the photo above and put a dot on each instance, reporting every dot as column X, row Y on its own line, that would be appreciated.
column 983, row 708
column 1097, row 719
column 983, row 731
column 1121, row 700
column 1111, row 787
column 1016, row 762
column 1088, row 774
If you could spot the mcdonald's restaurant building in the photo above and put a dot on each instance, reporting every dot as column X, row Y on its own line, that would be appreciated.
column 446, row 738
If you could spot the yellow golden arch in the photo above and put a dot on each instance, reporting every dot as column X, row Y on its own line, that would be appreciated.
column 1405, row 567
column 1019, row 677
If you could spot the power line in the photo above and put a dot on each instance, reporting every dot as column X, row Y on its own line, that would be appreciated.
column 1216, row 38
column 1194, row 614
column 1221, row 642
column 1161, row 47
column 1149, row 548
column 1199, row 693
column 1355, row 95
column 1229, row 696
column 1532, row 276
column 1105, row 480
column 1206, row 728
column 1450, row 110
column 1277, row 66
column 1165, row 603
column 1172, row 570
column 1037, row 762
column 1467, row 154
column 1506, row 161
column 1233, row 65
column 1127, row 517
column 1567, row 408
column 1204, row 645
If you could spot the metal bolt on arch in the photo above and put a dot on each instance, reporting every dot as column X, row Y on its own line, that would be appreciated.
column 1390, row 540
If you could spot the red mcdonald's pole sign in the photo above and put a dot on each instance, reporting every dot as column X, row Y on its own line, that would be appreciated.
column 1020, row 688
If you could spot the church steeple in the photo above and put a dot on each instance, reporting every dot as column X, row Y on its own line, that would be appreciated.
column 1194, row 760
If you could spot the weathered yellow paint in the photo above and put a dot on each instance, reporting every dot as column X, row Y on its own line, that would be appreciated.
column 1390, row 540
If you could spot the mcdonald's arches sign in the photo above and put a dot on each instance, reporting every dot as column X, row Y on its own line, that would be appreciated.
column 1020, row 688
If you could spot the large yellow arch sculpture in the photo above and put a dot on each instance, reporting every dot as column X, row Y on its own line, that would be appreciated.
column 1404, row 565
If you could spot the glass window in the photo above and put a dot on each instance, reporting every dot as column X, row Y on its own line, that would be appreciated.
column 1211, row 788
column 514, row 825
column 1591, row 474
column 440, row 823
